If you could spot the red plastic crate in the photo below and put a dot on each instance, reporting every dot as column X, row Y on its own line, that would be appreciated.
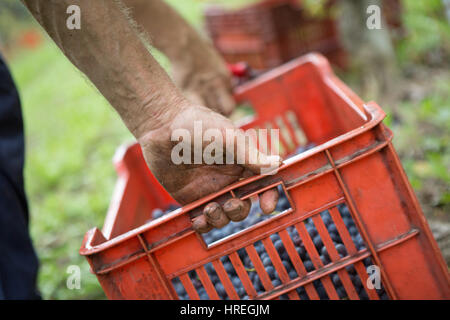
column 271, row 32
column 247, row 35
column 268, row 33
column 353, row 163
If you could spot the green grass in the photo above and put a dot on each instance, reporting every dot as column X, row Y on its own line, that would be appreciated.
column 422, row 139
column 427, row 30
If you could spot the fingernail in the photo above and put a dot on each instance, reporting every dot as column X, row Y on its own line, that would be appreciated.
column 212, row 210
column 200, row 225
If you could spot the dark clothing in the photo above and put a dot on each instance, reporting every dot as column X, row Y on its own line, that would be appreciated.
column 18, row 260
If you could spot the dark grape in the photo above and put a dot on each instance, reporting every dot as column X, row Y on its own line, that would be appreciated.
column 214, row 279
column 326, row 220
column 209, row 268
column 309, row 266
column 276, row 283
column 367, row 262
column 284, row 256
column 283, row 204
column 297, row 240
column 157, row 213
column 274, row 237
column 270, row 271
column 301, row 252
column 325, row 260
column 303, row 296
column 264, row 255
column 353, row 231
column 279, row 246
column 259, row 249
column 341, row 292
column 335, row 237
column 324, row 252
column 348, row 222
column 312, row 231
column 202, row 294
column 266, row 262
column 318, row 242
column 292, row 274
column 332, row 228
column 363, row 294
column 357, row 281
column 229, row 267
column 287, row 265
column 220, row 289
column 351, row 270
column 321, row 292
column 236, row 282
column 340, row 248
column 241, row 292
column 336, row 281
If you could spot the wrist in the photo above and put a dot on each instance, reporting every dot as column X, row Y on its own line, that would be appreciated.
column 158, row 117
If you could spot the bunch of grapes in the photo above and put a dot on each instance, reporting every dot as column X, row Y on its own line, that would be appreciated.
column 302, row 253
column 255, row 217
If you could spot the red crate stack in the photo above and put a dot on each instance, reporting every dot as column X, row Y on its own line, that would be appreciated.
column 269, row 33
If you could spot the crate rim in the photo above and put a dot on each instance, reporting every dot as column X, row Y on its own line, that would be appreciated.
column 373, row 113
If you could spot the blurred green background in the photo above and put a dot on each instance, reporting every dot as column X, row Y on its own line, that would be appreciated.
column 72, row 132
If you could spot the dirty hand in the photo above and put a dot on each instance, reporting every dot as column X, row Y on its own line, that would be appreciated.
column 187, row 182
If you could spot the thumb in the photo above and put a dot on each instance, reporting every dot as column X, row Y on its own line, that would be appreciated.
column 250, row 157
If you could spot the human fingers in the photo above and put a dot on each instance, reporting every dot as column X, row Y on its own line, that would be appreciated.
column 268, row 200
column 200, row 224
column 236, row 209
column 215, row 215
column 249, row 156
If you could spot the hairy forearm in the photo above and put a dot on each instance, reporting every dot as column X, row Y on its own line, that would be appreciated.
column 108, row 50
column 188, row 52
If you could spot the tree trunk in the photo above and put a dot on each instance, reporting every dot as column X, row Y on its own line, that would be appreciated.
column 371, row 51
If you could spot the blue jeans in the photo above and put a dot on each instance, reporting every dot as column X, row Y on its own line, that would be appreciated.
column 18, row 260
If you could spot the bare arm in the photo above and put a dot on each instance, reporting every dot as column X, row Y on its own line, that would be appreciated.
column 108, row 50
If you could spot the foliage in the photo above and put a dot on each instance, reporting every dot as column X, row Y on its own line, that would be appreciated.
column 422, row 138
column 427, row 33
